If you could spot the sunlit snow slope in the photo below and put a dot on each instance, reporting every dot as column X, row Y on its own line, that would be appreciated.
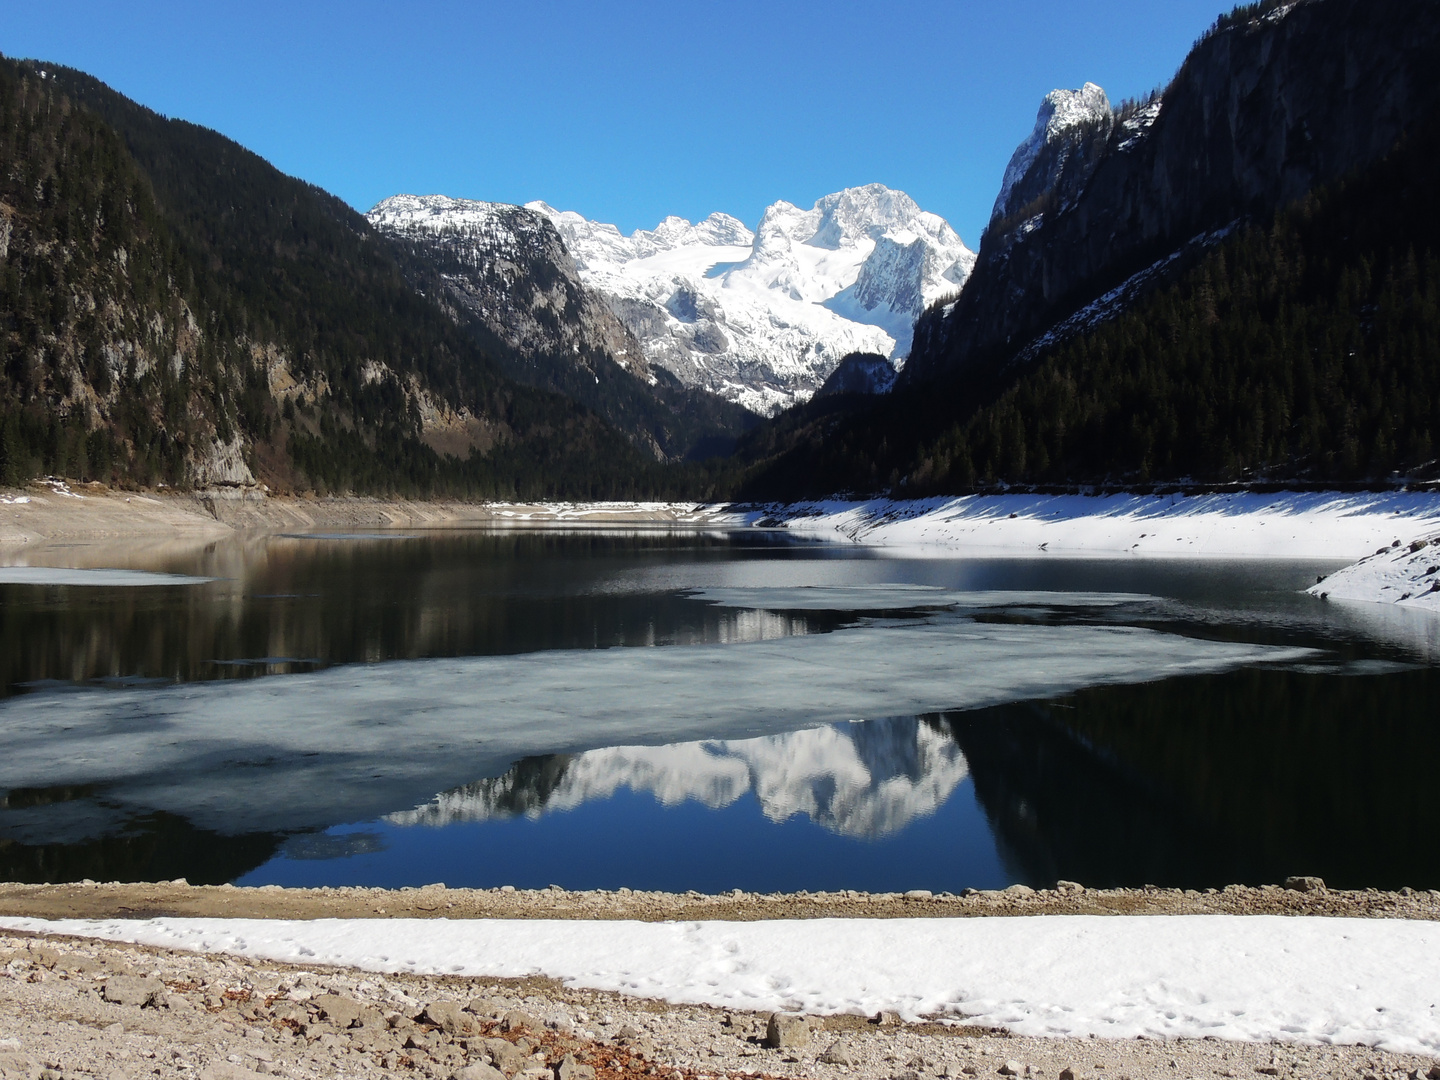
column 762, row 318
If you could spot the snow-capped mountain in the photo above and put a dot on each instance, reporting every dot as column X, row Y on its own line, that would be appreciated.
column 1039, row 161
column 861, row 780
column 762, row 318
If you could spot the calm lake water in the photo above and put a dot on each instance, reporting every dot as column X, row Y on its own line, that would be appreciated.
column 707, row 711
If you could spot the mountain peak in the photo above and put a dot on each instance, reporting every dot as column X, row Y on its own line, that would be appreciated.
column 762, row 318
column 1062, row 112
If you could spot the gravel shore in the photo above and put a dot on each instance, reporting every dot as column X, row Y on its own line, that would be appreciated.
column 75, row 1007
column 110, row 900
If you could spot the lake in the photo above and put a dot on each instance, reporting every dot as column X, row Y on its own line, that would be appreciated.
column 703, row 710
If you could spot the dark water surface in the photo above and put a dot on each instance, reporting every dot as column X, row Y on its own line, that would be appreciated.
column 687, row 710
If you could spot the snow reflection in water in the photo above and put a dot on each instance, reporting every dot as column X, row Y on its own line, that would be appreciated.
column 859, row 780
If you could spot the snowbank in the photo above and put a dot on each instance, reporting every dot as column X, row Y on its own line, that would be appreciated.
column 1289, row 525
column 1406, row 575
column 1302, row 979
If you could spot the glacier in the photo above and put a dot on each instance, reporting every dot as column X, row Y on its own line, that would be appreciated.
column 762, row 318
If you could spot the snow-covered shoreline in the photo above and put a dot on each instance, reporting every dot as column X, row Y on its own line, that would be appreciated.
column 1325, row 525
column 1407, row 575
column 1253, row 978
column 1237, row 525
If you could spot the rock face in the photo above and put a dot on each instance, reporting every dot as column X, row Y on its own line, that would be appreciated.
column 762, row 318
column 860, row 373
column 507, row 267
column 1265, row 109
column 1054, row 156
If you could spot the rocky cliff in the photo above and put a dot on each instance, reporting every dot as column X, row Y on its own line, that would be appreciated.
column 505, row 272
column 1275, row 101
column 507, row 267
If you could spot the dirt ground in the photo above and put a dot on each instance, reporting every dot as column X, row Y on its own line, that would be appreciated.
column 58, row 512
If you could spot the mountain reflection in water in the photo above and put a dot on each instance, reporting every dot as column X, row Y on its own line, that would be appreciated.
column 866, row 780
column 1197, row 782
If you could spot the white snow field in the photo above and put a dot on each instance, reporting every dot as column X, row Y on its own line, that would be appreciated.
column 1284, row 525
column 1295, row 979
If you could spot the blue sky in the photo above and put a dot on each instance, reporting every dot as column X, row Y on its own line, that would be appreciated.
column 624, row 111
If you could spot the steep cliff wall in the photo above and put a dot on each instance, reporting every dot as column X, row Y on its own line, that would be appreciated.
column 1264, row 109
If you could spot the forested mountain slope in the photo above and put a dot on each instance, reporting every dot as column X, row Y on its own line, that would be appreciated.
column 1295, row 344
column 1276, row 100
column 504, row 273
column 175, row 310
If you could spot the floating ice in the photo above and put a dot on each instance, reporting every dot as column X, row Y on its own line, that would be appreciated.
column 353, row 742
column 883, row 597
column 64, row 575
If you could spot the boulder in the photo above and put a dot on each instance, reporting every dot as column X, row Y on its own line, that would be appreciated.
column 1305, row 884
column 570, row 1069
column 506, row 1056
column 450, row 1018
column 515, row 1020
column 478, row 1072
column 838, row 1054
column 787, row 1031
column 17, row 1066
column 132, row 990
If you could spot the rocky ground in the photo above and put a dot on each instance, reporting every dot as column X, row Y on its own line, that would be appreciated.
column 1306, row 896
column 75, row 1008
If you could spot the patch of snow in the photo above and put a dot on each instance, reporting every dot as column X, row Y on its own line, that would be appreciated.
column 60, row 487
column 1119, row 299
column 1256, row 978
column 107, row 578
column 1282, row 525
column 14, row 500
column 1404, row 572
column 1135, row 128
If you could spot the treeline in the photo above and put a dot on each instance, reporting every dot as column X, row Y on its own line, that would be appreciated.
column 1306, row 347
column 153, row 273
column 92, row 293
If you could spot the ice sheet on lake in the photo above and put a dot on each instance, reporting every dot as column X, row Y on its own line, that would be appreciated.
column 356, row 742
column 1290, row 978
column 886, row 597
column 862, row 780
column 111, row 578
